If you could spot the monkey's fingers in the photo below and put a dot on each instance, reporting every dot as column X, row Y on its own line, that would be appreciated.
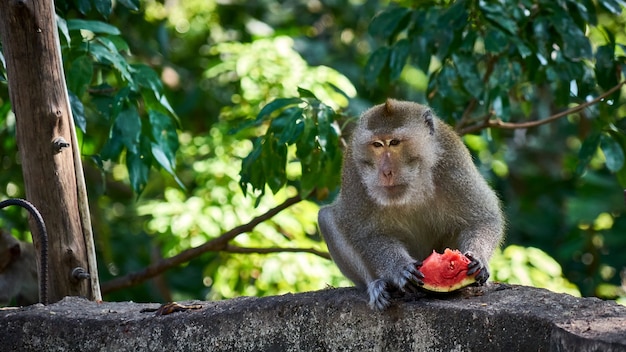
column 482, row 276
column 477, row 267
column 472, row 269
column 474, row 265
column 378, row 294
column 413, row 277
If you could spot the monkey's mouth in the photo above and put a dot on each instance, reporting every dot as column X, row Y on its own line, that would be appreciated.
column 394, row 191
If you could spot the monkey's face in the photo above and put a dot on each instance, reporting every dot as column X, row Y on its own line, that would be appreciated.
column 396, row 165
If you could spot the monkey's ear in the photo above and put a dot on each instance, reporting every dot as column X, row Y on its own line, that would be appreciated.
column 428, row 119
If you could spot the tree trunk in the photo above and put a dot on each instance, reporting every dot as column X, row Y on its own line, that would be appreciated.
column 40, row 102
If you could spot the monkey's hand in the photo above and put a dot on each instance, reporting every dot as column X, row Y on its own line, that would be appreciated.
column 476, row 265
column 408, row 279
column 378, row 293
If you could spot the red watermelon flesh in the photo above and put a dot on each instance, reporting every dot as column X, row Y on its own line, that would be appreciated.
column 446, row 272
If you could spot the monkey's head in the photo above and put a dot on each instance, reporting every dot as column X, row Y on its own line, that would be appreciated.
column 9, row 250
column 395, row 150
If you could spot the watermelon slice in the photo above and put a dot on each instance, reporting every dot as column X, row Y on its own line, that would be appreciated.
column 446, row 272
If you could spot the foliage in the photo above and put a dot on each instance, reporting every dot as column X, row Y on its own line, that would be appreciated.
column 166, row 95
column 531, row 267
column 125, row 98
column 310, row 126
column 193, row 219
column 270, row 68
column 213, row 204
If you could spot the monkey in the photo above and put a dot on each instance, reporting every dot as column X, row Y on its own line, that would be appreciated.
column 408, row 186
column 18, row 269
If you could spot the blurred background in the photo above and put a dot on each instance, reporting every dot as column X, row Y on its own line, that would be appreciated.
column 189, row 78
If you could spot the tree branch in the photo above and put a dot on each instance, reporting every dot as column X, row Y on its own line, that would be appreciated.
column 235, row 249
column 217, row 244
column 498, row 123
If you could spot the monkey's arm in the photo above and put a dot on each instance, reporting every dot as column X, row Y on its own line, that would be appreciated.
column 482, row 235
column 467, row 197
column 371, row 260
column 9, row 287
column 478, row 245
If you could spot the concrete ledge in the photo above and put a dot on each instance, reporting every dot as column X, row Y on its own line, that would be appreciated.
column 495, row 318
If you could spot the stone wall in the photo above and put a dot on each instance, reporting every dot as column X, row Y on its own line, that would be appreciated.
column 496, row 318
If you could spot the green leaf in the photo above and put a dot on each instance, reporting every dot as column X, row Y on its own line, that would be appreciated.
column 276, row 105
column 62, row 25
column 467, row 69
column 104, row 7
column 274, row 159
column 305, row 93
column 113, row 146
column 121, row 99
column 93, row 26
column 605, row 66
column 496, row 41
column 164, row 134
column 105, row 52
column 84, row 6
column 311, row 168
column 576, row 45
column 79, row 74
column 614, row 6
column 324, row 121
column 138, row 165
column 128, row 123
column 444, row 41
column 502, row 21
column 454, row 17
column 501, row 107
column 294, row 126
column 130, row 4
column 505, row 75
column 584, row 11
column 307, row 142
column 613, row 152
column 146, row 77
column 118, row 43
column 621, row 176
column 252, row 170
column 587, row 151
column 397, row 58
column 446, row 82
column 388, row 23
column 375, row 65
column 421, row 53
column 160, row 156
column 522, row 49
column 78, row 112
column 620, row 124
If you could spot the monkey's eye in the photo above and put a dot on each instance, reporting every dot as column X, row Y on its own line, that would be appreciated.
column 377, row 144
column 394, row 142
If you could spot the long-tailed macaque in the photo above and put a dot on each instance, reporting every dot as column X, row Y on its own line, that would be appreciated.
column 409, row 187
column 18, row 271
column 18, row 263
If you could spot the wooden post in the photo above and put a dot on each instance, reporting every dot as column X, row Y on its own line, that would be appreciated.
column 47, row 141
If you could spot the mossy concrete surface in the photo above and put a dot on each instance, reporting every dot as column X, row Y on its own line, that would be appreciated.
column 494, row 318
